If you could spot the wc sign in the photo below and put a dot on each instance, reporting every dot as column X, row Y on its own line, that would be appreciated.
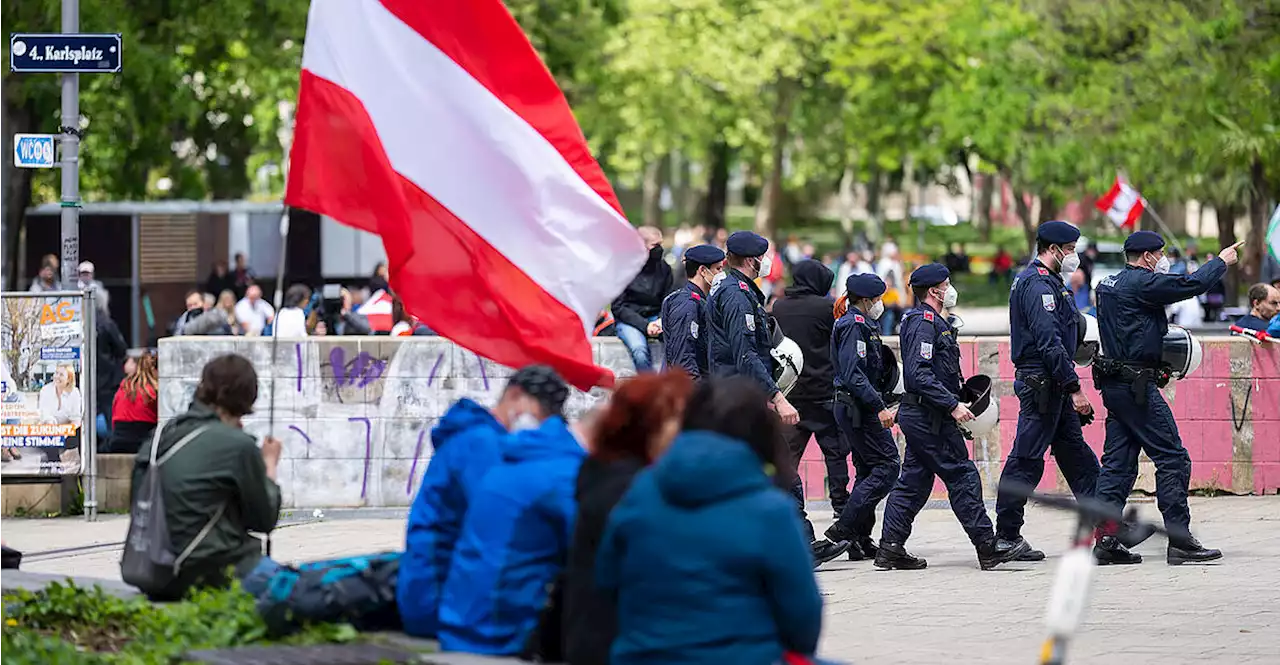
column 33, row 151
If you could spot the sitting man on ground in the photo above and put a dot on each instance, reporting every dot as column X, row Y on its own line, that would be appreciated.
column 473, row 436
column 219, row 480
column 516, row 533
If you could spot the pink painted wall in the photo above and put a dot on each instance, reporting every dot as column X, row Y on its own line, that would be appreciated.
column 1228, row 415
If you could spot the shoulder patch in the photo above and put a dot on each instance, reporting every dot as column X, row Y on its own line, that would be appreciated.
column 751, row 322
column 926, row 350
column 742, row 285
column 1042, row 271
column 858, row 318
column 1049, row 302
column 928, row 316
column 694, row 295
column 693, row 329
column 862, row 349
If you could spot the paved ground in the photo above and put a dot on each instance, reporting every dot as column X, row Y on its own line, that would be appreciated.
column 952, row 613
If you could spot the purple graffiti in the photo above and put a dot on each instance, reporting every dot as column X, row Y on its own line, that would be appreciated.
column 301, row 434
column 483, row 374
column 435, row 368
column 297, row 351
column 368, row 451
column 360, row 372
column 413, row 470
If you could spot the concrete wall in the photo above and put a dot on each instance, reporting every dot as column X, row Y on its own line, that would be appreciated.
column 355, row 413
column 1228, row 415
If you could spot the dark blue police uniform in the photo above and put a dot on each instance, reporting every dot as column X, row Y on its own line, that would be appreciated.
column 1044, row 326
column 1132, row 325
column 684, row 334
column 684, row 321
column 859, row 373
column 738, row 342
column 935, row 444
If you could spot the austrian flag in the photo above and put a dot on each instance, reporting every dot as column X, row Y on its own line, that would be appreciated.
column 1123, row 204
column 436, row 126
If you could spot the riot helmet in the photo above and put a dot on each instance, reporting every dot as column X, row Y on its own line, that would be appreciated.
column 1088, row 342
column 983, row 403
column 1180, row 352
column 788, row 363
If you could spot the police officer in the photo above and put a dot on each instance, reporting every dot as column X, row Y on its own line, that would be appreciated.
column 739, row 326
column 1044, row 321
column 684, row 321
column 929, row 416
column 1132, row 325
column 861, row 412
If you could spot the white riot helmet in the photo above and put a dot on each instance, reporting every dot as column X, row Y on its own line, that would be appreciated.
column 1089, row 342
column 891, row 380
column 1181, row 352
column 985, row 406
column 789, row 362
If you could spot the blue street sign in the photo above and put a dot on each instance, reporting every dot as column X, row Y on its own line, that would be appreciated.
column 33, row 151
column 64, row 54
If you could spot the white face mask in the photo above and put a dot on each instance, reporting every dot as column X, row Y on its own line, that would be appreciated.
column 1069, row 263
column 877, row 310
column 1163, row 265
column 950, row 297
column 523, row 422
column 766, row 265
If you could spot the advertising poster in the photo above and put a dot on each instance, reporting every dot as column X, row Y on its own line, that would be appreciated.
column 42, row 402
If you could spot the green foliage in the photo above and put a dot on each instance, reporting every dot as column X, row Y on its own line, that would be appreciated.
column 69, row 625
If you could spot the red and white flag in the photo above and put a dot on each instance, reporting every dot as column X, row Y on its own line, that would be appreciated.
column 436, row 126
column 1123, row 204
column 377, row 309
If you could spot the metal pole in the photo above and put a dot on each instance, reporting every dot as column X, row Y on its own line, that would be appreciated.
column 70, row 156
column 1173, row 238
column 89, row 374
column 135, row 280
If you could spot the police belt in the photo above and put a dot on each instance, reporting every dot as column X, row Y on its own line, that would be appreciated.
column 1137, row 374
column 1043, row 386
column 936, row 415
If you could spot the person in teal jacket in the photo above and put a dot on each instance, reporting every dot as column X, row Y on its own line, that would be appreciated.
column 515, row 537
column 468, row 443
column 706, row 552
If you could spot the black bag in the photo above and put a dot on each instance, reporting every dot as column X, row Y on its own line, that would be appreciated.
column 360, row 590
column 12, row 558
column 148, row 562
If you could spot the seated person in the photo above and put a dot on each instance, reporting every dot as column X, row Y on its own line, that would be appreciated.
column 1264, row 304
column 515, row 536
column 134, row 411
column 220, row 478
column 705, row 552
column 467, row 445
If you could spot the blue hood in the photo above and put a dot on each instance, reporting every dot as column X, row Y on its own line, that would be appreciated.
column 550, row 440
column 703, row 467
column 463, row 416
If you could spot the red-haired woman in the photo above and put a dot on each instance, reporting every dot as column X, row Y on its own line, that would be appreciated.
column 641, row 419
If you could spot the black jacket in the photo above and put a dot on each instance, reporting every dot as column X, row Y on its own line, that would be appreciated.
column 590, row 616
column 805, row 315
column 112, row 351
column 642, row 298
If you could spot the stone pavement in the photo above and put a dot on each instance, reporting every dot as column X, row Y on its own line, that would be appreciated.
column 953, row 613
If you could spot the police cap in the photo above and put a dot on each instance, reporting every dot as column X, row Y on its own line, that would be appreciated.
column 1143, row 241
column 747, row 244
column 931, row 274
column 1057, row 233
column 864, row 286
column 704, row 255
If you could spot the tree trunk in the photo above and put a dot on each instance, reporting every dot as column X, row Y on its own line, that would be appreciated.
column 875, row 190
column 652, row 193
column 1255, row 248
column 685, row 198
column 713, row 211
column 1226, row 237
column 15, row 183
column 984, row 205
column 771, row 195
column 847, row 198
column 1023, row 206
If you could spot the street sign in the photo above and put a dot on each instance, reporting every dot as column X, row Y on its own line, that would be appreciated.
column 64, row 54
column 33, row 151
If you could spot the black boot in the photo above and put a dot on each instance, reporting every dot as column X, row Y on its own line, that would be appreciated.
column 893, row 555
column 856, row 553
column 1031, row 554
column 835, row 534
column 1131, row 535
column 995, row 552
column 1109, row 550
column 824, row 550
column 868, row 547
column 1190, row 551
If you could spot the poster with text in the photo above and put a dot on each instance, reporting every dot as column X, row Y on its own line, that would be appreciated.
column 42, row 402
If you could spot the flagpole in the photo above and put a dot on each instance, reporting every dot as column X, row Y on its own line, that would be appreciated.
column 286, row 142
column 1146, row 207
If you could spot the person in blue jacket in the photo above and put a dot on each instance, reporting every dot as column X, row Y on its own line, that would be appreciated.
column 705, row 552
column 516, row 533
column 467, row 443
column 684, row 312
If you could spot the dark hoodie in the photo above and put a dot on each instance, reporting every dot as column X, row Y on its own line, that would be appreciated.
column 643, row 297
column 707, row 561
column 805, row 315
